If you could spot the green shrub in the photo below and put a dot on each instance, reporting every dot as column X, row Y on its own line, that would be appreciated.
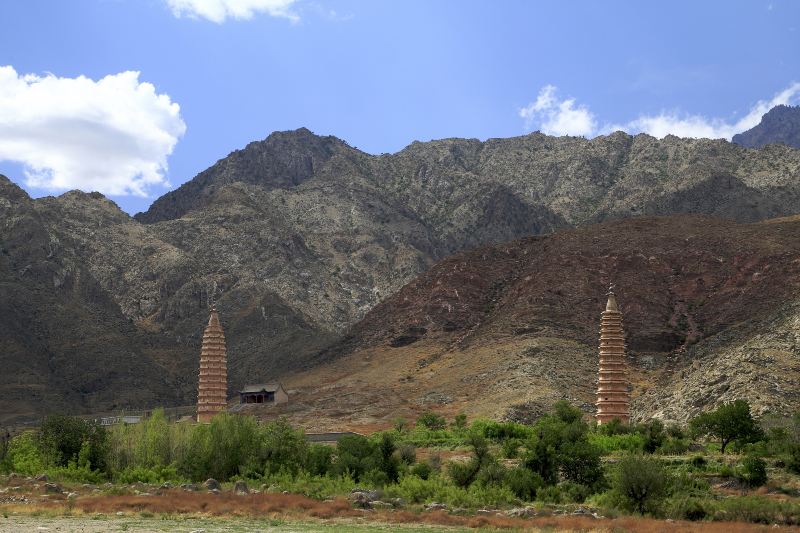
column 436, row 488
column 400, row 424
column 407, row 454
column 153, row 475
column 752, row 471
column 463, row 473
column 501, row 431
column 641, row 483
column 431, row 420
column 549, row 494
column 686, row 508
column 622, row 442
column 375, row 478
column 725, row 471
column 491, row 473
column 615, row 427
column 523, row 483
column 318, row 487
column 574, row 492
column 510, row 448
column 421, row 470
column 565, row 412
column 698, row 462
column 673, row 446
column 758, row 509
column 460, row 421
column 24, row 455
column 684, row 484
column 654, row 435
column 415, row 489
column 793, row 459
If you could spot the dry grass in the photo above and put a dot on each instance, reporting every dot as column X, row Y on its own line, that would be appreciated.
column 176, row 501
column 294, row 506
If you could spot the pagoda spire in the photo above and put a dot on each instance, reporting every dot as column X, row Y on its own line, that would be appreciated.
column 613, row 398
column 212, row 386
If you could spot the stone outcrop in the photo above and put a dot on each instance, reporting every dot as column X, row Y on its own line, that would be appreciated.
column 613, row 397
column 212, row 388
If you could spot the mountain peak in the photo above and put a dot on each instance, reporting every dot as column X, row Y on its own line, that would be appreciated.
column 12, row 191
column 283, row 160
column 779, row 125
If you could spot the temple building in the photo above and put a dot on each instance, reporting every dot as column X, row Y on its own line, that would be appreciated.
column 212, row 386
column 263, row 393
column 613, row 398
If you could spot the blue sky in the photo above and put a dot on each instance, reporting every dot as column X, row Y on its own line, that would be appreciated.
column 378, row 74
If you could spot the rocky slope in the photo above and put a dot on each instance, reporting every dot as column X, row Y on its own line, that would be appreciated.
column 780, row 125
column 298, row 236
column 65, row 343
column 711, row 313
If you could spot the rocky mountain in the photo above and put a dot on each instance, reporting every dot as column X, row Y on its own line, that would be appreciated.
column 711, row 311
column 780, row 125
column 297, row 237
column 64, row 341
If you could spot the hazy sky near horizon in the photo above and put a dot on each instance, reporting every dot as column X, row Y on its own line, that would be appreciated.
column 134, row 97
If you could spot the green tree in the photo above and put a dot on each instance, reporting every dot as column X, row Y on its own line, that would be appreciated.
column 641, row 483
column 729, row 422
column 62, row 437
column 282, row 448
column 5, row 438
column 580, row 463
column 355, row 456
column 389, row 463
column 654, row 435
column 559, row 445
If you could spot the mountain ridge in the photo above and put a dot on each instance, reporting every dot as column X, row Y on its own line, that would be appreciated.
column 298, row 237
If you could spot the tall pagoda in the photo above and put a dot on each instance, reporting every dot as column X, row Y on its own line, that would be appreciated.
column 613, row 398
column 212, row 386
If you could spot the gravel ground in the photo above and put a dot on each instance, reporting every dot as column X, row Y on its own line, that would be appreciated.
column 138, row 524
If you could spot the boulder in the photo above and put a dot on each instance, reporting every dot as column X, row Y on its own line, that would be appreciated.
column 521, row 512
column 53, row 488
column 212, row 484
column 377, row 504
column 240, row 487
column 436, row 506
column 42, row 477
column 363, row 498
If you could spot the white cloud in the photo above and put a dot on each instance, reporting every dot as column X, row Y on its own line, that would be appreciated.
column 561, row 117
column 220, row 10
column 684, row 125
column 558, row 117
column 112, row 135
